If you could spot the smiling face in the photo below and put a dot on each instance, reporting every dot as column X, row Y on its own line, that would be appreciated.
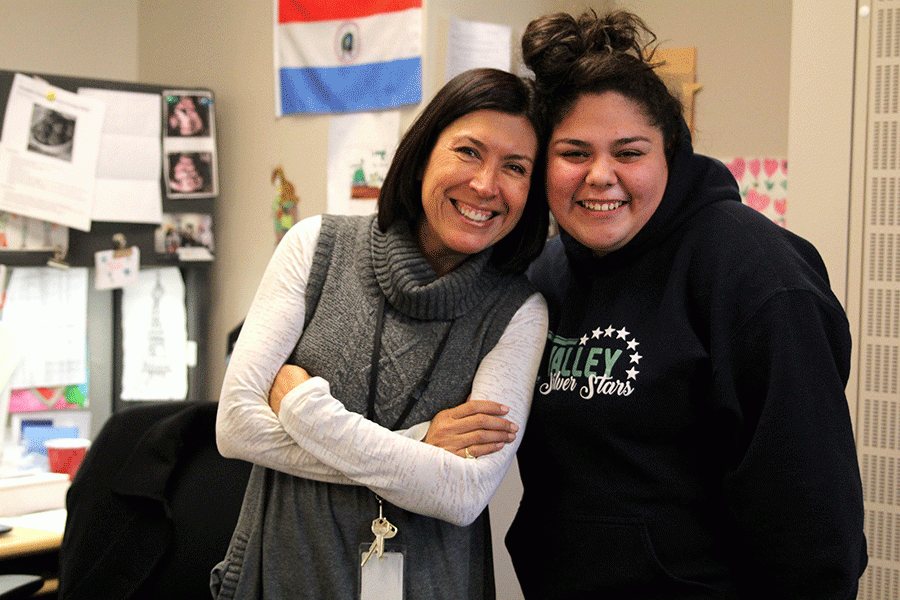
column 475, row 186
column 606, row 171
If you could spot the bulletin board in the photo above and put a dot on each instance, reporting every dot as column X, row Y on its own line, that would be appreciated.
column 83, row 245
column 105, row 235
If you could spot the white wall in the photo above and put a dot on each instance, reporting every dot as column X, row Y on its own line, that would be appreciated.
column 821, row 121
column 823, row 169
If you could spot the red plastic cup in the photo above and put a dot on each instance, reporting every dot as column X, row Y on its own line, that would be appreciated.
column 65, row 454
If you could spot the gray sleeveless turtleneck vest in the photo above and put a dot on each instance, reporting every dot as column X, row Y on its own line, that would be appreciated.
column 298, row 538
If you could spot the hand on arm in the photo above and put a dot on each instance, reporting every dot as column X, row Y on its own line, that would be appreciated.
column 288, row 377
column 476, row 424
column 420, row 477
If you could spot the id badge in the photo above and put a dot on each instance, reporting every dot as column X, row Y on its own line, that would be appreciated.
column 382, row 578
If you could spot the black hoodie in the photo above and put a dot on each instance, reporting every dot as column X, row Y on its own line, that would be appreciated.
column 689, row 435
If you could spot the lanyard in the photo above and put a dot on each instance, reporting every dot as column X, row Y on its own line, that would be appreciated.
column 373, row 374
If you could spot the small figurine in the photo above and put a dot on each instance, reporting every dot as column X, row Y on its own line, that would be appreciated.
column 285, row 205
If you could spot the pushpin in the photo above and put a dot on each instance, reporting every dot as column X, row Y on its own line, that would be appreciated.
column 51, row 95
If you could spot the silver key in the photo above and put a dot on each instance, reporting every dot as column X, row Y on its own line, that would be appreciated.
column 383, row 529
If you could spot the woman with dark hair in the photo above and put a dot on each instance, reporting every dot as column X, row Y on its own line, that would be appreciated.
column 401, row 192
column 395, row 321
column 689, row 435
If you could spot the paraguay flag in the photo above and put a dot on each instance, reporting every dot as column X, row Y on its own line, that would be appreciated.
column 347, row 55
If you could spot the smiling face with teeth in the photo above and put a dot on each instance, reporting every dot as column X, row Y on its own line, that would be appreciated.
column 475, row 185
column 606, row 171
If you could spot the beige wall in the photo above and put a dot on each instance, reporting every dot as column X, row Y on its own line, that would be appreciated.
column 86, row 38
column 743, row 52
column 827, row 155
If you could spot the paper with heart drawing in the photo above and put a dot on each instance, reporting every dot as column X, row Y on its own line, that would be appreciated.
column 763, row 184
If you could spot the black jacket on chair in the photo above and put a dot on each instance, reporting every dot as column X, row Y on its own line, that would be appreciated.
column 152, row 507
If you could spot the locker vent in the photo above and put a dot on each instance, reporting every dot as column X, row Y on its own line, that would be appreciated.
column 878, row 343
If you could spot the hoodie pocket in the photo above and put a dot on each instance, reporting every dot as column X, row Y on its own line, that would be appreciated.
column 556, row 558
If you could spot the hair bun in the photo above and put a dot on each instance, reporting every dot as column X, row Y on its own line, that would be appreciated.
column 550, row 45
column 553, row 44
column 615, row 32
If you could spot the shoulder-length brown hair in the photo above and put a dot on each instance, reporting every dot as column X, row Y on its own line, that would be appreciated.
column 477, row 89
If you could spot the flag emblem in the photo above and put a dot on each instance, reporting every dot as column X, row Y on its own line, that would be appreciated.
column 347, row 42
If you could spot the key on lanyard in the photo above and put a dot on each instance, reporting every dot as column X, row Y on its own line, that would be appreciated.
column 383, row 529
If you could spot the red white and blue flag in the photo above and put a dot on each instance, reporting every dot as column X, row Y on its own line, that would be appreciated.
column 347, row 55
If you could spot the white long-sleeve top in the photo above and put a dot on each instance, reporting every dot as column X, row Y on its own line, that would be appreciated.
column 315, row 437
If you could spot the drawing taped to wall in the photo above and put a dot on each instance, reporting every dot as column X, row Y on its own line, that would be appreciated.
column 763, row 185
column 154, row 334
column 360, row 149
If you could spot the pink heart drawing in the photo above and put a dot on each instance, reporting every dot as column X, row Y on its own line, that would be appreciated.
column 770, row 165
column 781, row 206
column 757, row 201
column 737, row 167
column 754, row 167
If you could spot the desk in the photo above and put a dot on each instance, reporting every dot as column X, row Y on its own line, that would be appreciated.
column 22, row 541
column 34, row 551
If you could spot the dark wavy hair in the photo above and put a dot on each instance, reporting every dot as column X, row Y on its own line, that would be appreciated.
column 473, row 90
column 590, row 54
